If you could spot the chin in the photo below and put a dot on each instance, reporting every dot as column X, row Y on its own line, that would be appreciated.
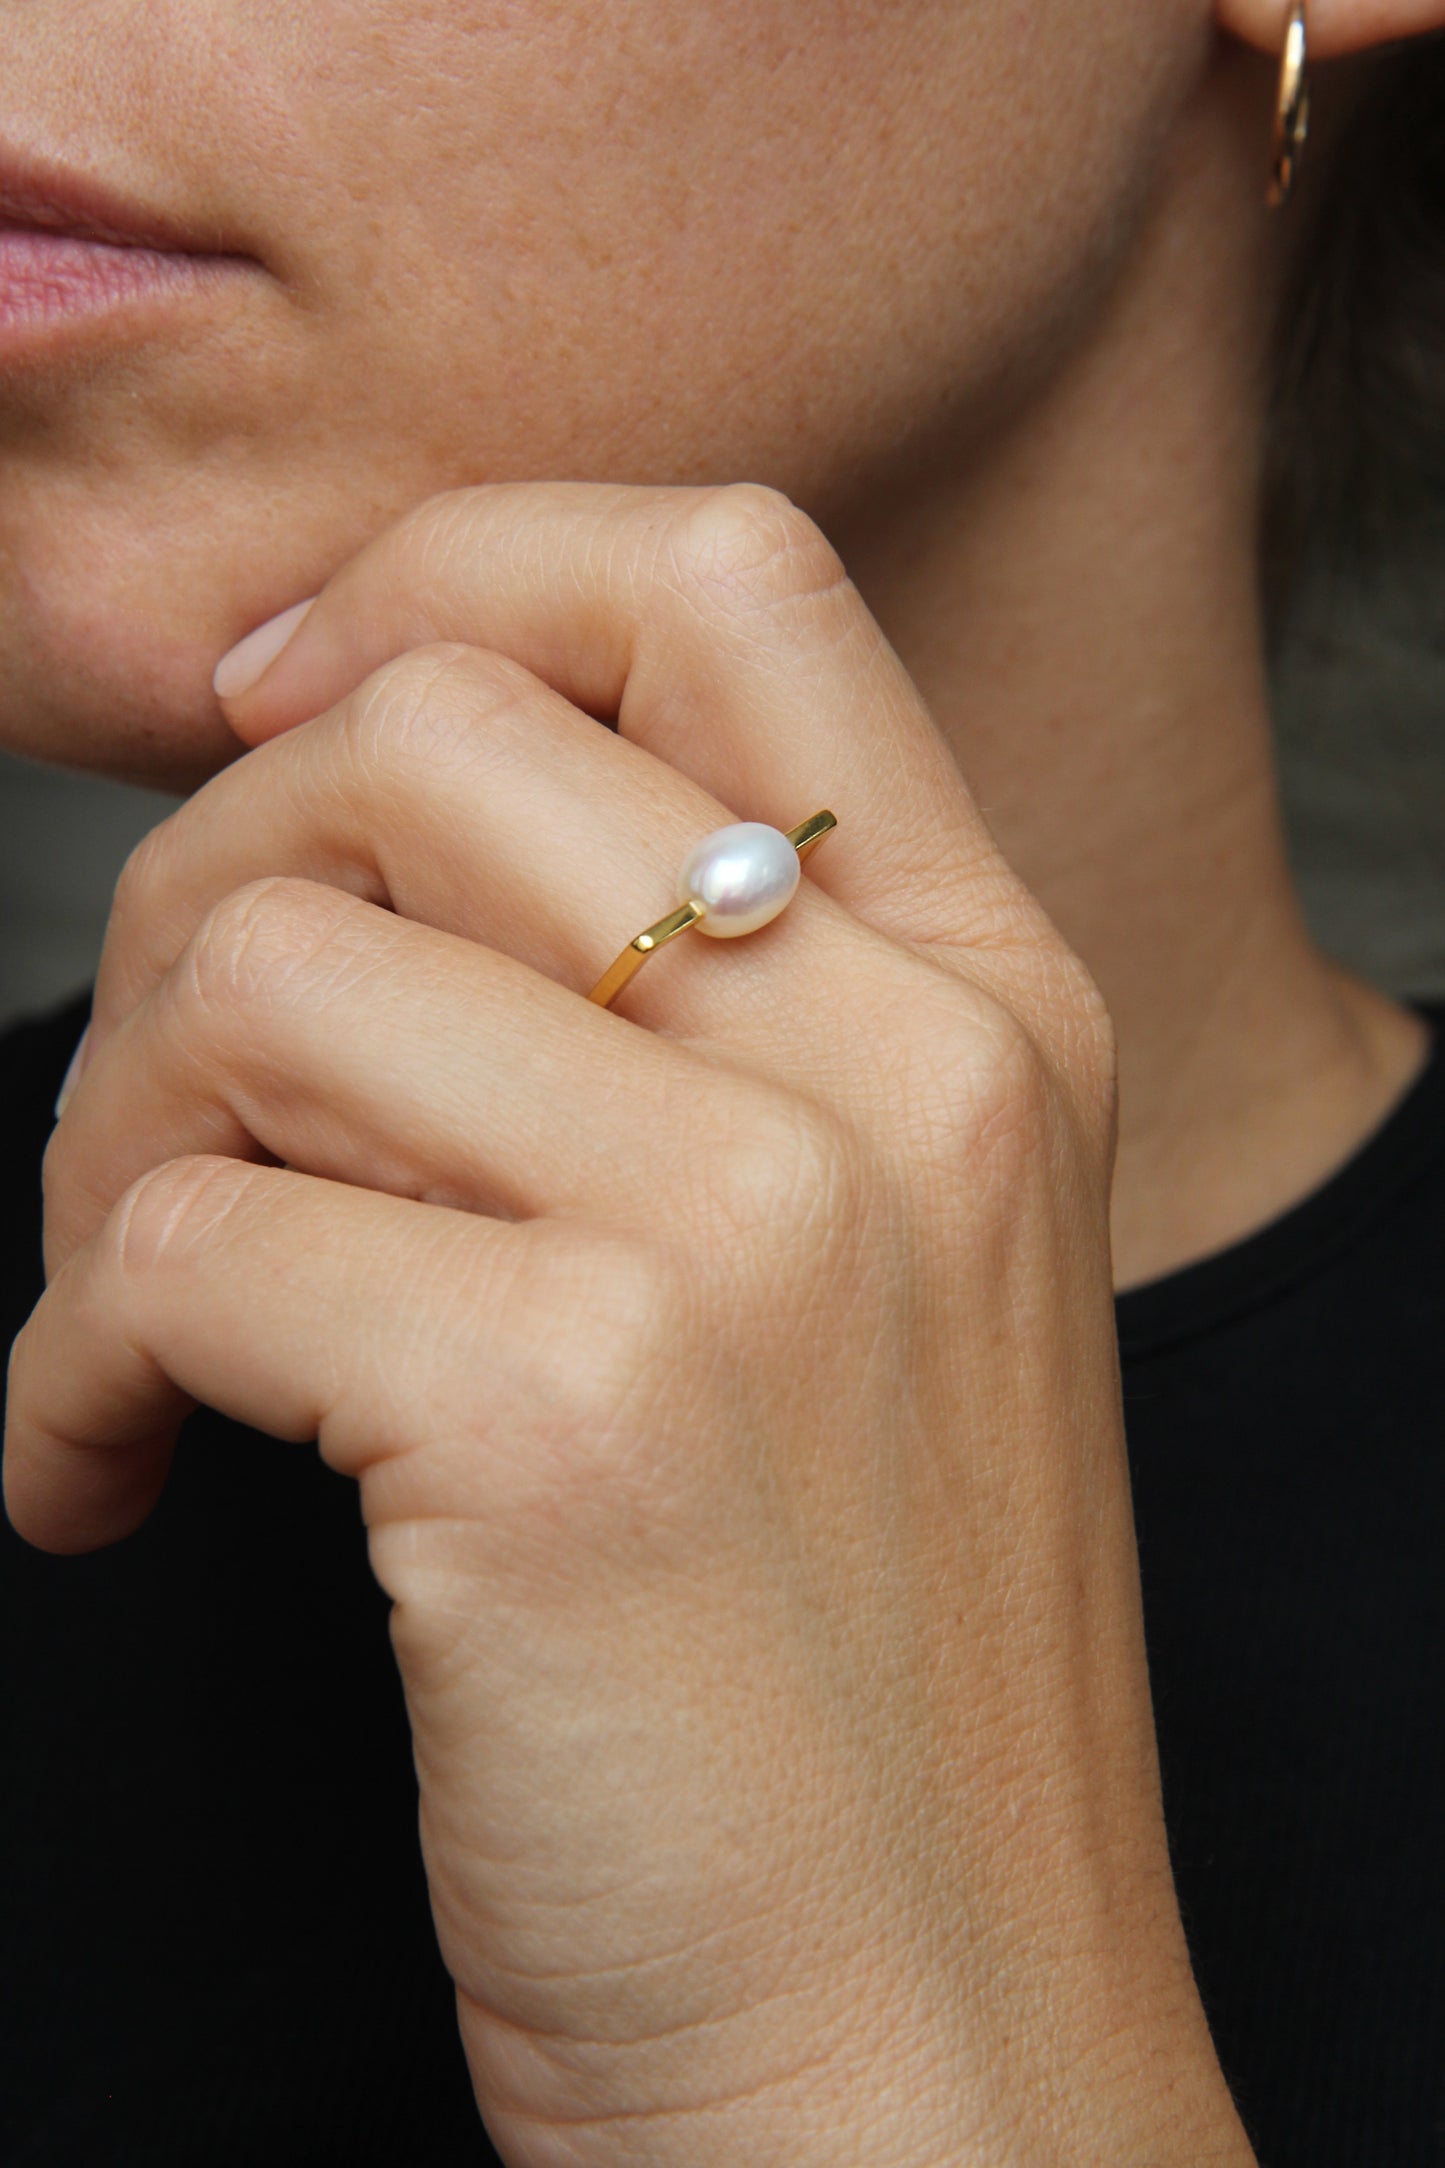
column 119, row 699
column 117, row 605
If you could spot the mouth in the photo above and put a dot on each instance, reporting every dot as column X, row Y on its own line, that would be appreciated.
column 72, row 250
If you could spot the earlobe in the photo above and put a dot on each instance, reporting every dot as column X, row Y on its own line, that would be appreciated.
column 1336, row 27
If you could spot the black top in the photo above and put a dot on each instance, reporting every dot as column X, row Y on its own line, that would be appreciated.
column 219, row 1950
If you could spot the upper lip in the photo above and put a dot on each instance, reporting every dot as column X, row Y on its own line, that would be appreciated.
column 42, row 196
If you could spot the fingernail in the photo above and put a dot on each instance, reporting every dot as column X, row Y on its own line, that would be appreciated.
column 72, row 1075
column 237, row 671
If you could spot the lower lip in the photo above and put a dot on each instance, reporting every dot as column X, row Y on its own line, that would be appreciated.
column 52, row 281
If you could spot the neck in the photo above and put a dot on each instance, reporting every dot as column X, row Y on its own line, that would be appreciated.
column 1079, row 606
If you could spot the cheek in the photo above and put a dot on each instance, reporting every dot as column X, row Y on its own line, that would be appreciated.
column 736, row 237
column 704, row 240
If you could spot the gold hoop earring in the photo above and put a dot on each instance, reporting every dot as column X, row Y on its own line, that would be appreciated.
column 1292, row 109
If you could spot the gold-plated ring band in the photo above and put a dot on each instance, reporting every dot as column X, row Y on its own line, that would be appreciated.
column 691, row 913
column 1292, row 111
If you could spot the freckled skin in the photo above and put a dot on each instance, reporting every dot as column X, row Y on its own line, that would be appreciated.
column 801, row 241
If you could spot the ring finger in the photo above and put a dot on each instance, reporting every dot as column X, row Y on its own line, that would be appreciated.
column 306, row 1026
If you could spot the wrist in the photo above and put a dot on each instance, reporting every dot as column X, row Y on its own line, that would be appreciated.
column 1150, row 2099
column 1120, row 2071
column 1076, row 2040
column 1102, row 2079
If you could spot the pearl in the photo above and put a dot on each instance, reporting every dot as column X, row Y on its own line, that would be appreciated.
column 742, row 876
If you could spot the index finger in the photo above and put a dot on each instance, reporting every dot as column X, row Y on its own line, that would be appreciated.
column 716, row 627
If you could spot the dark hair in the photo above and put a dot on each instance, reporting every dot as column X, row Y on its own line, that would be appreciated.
column 1358, row 444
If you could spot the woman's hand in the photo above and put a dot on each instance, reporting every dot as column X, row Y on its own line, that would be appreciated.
column 730, row 1379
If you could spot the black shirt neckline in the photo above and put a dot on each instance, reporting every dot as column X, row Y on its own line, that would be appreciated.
column 1265, row 1266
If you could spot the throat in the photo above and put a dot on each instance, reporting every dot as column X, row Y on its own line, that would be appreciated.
column 1253, row 1106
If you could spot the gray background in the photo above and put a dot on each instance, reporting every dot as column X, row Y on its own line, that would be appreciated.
column 1361, row 700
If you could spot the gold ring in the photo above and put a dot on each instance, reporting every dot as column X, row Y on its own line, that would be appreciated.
column 734, row 881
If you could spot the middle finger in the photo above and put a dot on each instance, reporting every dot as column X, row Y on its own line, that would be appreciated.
column 441, row 788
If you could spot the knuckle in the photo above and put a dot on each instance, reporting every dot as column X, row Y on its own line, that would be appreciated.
column 168, row 1212
column 975, row 1103
column 29, row 1387
column 1089, row 1050
column 1071, row 1019
column 586, row 1400
column 56, row 1169
column 19, row 1368
column 745, row 550
column 137, row 913
column 783, row 1175
column 636, row 1319
column 1013, row 1099
column 153, row 927
column 141, row 876
column 255, row 945
column 441, row 707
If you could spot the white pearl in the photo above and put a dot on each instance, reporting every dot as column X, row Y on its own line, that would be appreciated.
column 742, row 876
